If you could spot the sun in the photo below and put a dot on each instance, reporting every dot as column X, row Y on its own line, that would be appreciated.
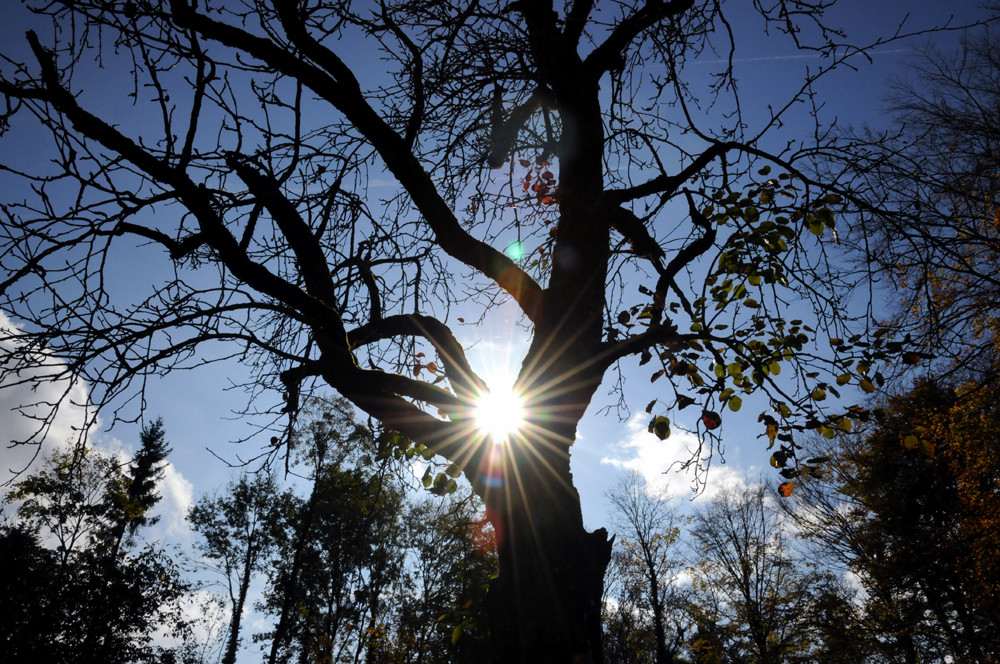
column 499, row 413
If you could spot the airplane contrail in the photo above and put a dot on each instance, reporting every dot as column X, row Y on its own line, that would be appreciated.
column 796, row 56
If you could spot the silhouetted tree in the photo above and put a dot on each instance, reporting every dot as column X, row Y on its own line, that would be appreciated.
column 929, row 217
column 239, row 528
column 754, row 593
column 644, row 568
column 911, row 507
column 91, row 597
column 238, row 151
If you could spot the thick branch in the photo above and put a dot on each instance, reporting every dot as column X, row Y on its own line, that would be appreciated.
column 374, row 296
column 503, row 133
column 611, row 52
column 683, row 258
column 666, row 185
column 467, row 384
column 196, row 199
column 576, row 21
column 632, row 229
column 311, row 260
column 177, row 249
column 334, row 82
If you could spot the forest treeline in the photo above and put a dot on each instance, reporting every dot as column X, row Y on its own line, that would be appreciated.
column 888, row 551
column 341, row 556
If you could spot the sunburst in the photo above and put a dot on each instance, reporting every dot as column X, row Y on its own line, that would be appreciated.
column 499, row 413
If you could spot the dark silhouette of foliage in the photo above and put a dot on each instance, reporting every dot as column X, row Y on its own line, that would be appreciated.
column 91, row 597
column 239, row 530
column 929, row 225
column 911, row 507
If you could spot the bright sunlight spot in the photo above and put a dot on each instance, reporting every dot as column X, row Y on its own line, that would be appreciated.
column 499, row 414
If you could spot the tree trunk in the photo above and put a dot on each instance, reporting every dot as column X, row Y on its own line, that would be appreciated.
column 241, row 597
column 545, row 605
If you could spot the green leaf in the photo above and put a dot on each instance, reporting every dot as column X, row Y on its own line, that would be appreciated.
column 660, row 427
column 735, row 404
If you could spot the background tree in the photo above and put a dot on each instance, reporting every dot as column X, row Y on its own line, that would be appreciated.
column 929, row 226
column 440, row 614
column 90, row 595
column 355, row 568
column 909, row 508
column 643, row 620
column 756, row 593
column 239, row 529
column 241, row 171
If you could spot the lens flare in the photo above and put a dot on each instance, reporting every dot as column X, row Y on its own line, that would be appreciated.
column 516, row 251
column 499, row 414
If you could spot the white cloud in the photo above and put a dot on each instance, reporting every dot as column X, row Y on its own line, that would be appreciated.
column 24, row 404
column 208, row 617
column 659, row 461
column 177, row 496
column 17, row 395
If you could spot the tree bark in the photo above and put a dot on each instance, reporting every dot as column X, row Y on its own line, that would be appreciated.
column 545, row 605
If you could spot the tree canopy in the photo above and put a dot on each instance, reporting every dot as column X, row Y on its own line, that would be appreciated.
column 576, row 161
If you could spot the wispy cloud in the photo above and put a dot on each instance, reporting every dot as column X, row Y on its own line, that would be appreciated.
column 658, row 461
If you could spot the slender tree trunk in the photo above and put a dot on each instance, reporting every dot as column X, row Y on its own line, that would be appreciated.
column 545, row 605
column 241, row 598
column 290, row 583
column 663, row 655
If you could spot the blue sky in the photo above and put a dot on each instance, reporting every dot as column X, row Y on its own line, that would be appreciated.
column 201, row 408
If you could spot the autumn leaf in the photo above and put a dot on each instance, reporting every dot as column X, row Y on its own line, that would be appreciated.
column 660, row 427
column 683, row 401
column 786, row 488
column 711, row 419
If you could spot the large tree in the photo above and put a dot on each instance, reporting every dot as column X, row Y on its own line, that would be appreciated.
column 641, row 618
column 930, row 222
column 911, row 507
column 74, row 589
column 753, row 590
column 648, row 212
